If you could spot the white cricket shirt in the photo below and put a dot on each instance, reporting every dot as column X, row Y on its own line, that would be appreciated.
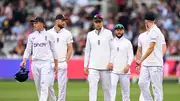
column 152, row 35
column 62, row 39
column 99, row 49
column 123, row 54
column 41, row 45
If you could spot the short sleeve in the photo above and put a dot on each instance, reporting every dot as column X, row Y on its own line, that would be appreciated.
column 153, row 36
column 139, row 41
column 163, row 40
column 70, row 39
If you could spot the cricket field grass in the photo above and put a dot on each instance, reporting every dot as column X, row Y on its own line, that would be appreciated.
column 76, row 91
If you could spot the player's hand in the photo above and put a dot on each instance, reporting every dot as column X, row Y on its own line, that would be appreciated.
column 85, row 70
column 110, row 66
column 138, row 63
column 22, row 64
column 137, row 70
column 55, row 69
column 126, row 69
column 137, row 66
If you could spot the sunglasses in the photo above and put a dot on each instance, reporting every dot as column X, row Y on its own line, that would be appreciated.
column 98, row 16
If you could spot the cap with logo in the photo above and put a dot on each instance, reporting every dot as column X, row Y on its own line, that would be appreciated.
column 119, row 26
column 98, row 17
column 61, row 17
column 38, row 19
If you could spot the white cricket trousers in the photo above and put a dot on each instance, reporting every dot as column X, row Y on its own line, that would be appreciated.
column 42, row 72
column 155, row 75
column 93, row 78
column 62, row 82
column 141, row 98
column 124, row 83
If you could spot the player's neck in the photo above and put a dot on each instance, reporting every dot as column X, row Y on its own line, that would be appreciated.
column 57, row 28
column 150, row 25
column 40, row 29
column 99, row 30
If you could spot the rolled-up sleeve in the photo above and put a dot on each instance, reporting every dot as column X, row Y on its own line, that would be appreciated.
column 87, row 52
column 28, row 49
column 153, row 36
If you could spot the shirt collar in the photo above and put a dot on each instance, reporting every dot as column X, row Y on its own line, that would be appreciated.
column 119, row 38
column 152, row 27
column 96, row 31
column 41, row 31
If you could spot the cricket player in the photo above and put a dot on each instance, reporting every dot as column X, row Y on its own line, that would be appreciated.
column 98, row 59
column 41, row 45
column 121, row 64
column 142, row 36
column 151, row 45
column 64, row 48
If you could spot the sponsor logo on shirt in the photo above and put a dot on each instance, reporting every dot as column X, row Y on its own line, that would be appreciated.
column 39, row 44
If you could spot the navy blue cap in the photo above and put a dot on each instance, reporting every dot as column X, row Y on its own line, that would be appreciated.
column 38, row 19
column 61, row 17
column 149, row 16
column 98, row 17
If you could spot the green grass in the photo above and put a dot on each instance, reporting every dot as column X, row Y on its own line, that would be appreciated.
column 76, row 91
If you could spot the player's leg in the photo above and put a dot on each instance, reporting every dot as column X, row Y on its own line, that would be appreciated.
column 143, row 84
column 52, row 96
column 114, row 81
column 46, row 80
column 36, row 76
column 62, row 81
column 106, row 84
column 125, row 87
column 156, row 75
column 141, row 98
column 93, row 78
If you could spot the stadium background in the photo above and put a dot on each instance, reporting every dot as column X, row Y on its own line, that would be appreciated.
column 15, row 27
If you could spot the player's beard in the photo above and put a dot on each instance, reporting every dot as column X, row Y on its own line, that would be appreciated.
column 98, row 28
column 61, row 26
column 119, row 35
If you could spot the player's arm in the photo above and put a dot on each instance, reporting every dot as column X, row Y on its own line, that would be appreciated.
column 139, row 53
column 27, row 52
column 164, row 48
column 130, row 54
column 148, row 52
column 69, row 48
column 55, row 56
column 130, row 58
column 87, row 55
column 112, row 49
column 112, row 54
column 153, row 37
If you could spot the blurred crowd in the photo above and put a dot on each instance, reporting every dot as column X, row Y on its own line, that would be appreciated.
column 16, row 14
